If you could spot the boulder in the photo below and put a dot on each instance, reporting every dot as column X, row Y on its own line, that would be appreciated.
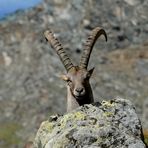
column 110, row 124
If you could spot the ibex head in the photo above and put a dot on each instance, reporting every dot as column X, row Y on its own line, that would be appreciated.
column 78, row 81
column 77, row 77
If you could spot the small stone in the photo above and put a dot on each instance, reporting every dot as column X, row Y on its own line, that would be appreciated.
column 133, row 2
column 7, row 59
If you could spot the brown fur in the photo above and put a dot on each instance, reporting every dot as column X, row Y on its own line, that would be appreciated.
column 78, row 79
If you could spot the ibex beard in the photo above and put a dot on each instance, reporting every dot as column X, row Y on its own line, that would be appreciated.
column 79, row 91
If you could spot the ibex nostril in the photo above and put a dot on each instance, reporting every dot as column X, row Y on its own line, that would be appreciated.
column 79, row 89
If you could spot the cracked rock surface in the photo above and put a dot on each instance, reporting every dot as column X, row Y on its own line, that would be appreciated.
column 112, row 124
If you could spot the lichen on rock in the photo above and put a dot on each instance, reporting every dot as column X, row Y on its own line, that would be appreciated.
column 110, row 124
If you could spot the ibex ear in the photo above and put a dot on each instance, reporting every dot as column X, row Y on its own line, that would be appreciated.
column 64, row 77
column 91, row 71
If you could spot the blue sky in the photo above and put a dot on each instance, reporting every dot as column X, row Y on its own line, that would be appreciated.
column 10, row 6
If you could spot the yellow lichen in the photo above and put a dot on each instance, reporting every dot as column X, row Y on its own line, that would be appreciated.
column 79, row 116
column 96, row 126
column 45, row 128
column 46, row 125
column 72, row 117
column 99, row 140
column 8, row 134
column 61, row 143
column 107, row 114
column 107, row 104
column 64, row 121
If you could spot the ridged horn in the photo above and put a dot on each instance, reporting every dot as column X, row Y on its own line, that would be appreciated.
column 55, row 44
column 88, row 46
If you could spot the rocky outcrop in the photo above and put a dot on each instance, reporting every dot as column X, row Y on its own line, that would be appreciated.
column 111, row 124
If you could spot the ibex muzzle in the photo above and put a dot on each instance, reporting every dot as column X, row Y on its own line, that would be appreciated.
column 77, row 77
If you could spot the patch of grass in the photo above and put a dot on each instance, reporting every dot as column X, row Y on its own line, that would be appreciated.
column 145, row 133
column 8, row 135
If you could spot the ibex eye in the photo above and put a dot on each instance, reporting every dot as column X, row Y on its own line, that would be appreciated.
column 69, row 82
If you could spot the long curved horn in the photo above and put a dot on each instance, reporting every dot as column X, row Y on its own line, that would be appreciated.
column 88, row 46
column 55, row 44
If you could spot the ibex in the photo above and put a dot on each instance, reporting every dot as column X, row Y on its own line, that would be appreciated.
column 79, row 91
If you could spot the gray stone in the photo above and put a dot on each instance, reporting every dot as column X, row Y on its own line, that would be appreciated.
column 113, row 124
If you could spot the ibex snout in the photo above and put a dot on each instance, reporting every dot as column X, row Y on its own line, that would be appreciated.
column 79, row 92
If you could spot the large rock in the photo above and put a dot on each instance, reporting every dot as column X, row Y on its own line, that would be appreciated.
column 111, row 124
